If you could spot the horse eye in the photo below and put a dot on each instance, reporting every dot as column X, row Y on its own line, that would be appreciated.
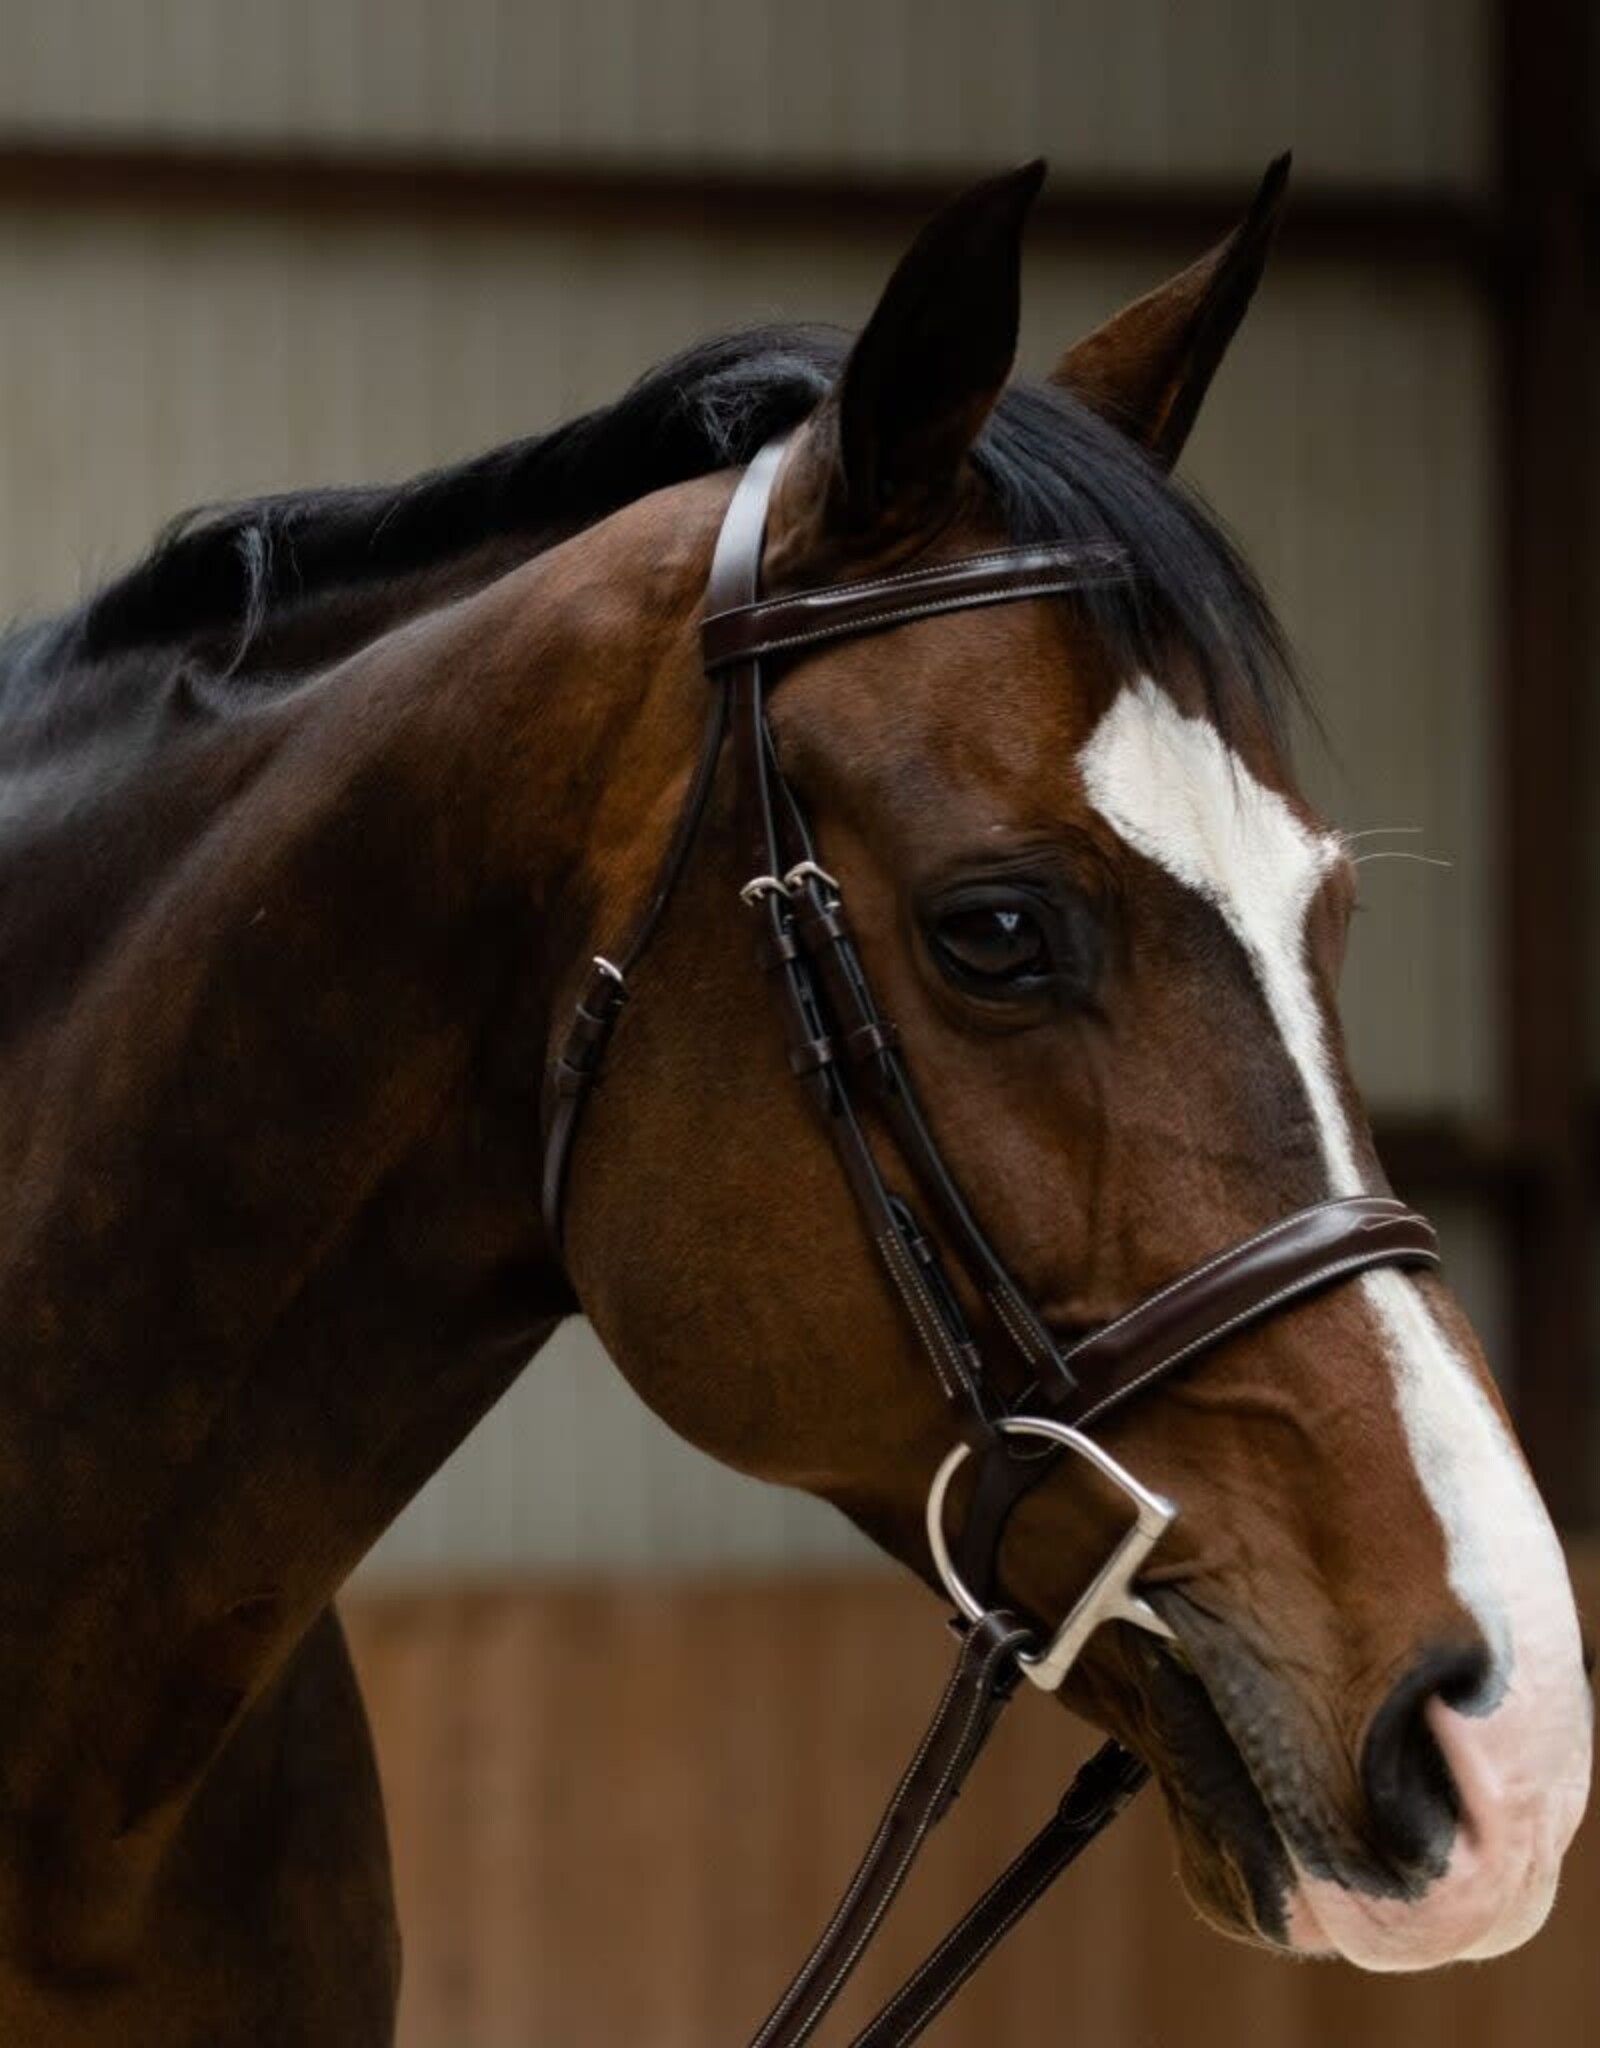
column 998, row 945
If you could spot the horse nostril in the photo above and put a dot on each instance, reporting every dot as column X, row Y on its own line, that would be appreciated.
column 1412, row 1802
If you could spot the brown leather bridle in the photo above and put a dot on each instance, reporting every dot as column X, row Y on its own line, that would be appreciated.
column 843, row 1048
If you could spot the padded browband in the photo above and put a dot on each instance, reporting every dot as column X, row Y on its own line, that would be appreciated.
column 781, row 625
column 1293, row 1257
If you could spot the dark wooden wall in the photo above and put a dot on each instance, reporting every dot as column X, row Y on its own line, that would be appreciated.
column 620, row 1811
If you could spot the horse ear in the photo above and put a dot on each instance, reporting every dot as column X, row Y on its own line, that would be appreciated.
column 930, row 363
column 1148, row 368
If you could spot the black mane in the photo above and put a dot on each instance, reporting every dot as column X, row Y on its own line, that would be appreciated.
column 1057, row 472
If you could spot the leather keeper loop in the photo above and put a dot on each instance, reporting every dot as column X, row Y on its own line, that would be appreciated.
column 868, row 1041
column 594, row 1017
column 568, row 1079
column 823, row 923
column 776, row 946
column 602, row 996
column 809, row 1055
column 587, row 1036
column 584, row 1049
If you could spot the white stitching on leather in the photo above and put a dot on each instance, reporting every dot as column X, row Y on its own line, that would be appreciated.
column 1221, row 1259
column 798, row 1989
column 980, row 1699
column 1356, row 1263
column 1016, row 1329
column 956, row 601
column 1094, row 553
column 853, row 1889
column 930, row 1962
column 932, row 1332
column 933, row 1337
column 1102, row 553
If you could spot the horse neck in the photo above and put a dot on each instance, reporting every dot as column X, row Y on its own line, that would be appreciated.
column 270, row 1243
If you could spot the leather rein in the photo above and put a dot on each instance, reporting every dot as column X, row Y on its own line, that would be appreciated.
column 844, row 1050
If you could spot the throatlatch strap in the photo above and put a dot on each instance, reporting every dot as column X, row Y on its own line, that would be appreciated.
column 576, row 1067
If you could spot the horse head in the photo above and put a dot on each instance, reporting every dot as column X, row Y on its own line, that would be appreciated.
column 1108, row 927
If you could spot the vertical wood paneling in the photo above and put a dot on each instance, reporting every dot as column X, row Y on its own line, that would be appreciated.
column 1366, row 91
column 620, row 1813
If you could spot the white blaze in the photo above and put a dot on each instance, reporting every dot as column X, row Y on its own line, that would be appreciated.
column 1175, row 792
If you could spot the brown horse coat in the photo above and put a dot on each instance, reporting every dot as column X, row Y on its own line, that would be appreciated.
column 307, row 828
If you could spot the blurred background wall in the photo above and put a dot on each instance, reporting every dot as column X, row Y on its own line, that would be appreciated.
column 251, row 243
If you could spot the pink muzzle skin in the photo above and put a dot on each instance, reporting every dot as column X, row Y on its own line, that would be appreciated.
column 1523, row 1783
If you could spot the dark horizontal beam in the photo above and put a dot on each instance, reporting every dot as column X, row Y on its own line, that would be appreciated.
column 1431, row 1157
column 1374, row 223
column 1428, row 1155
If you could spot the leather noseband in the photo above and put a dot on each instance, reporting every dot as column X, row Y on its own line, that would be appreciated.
column 844, row 1050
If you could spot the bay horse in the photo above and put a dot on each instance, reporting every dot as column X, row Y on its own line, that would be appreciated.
column 311, row 826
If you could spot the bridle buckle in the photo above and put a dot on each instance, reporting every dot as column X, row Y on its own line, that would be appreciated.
column 1110, row 1594
column 789, row 884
